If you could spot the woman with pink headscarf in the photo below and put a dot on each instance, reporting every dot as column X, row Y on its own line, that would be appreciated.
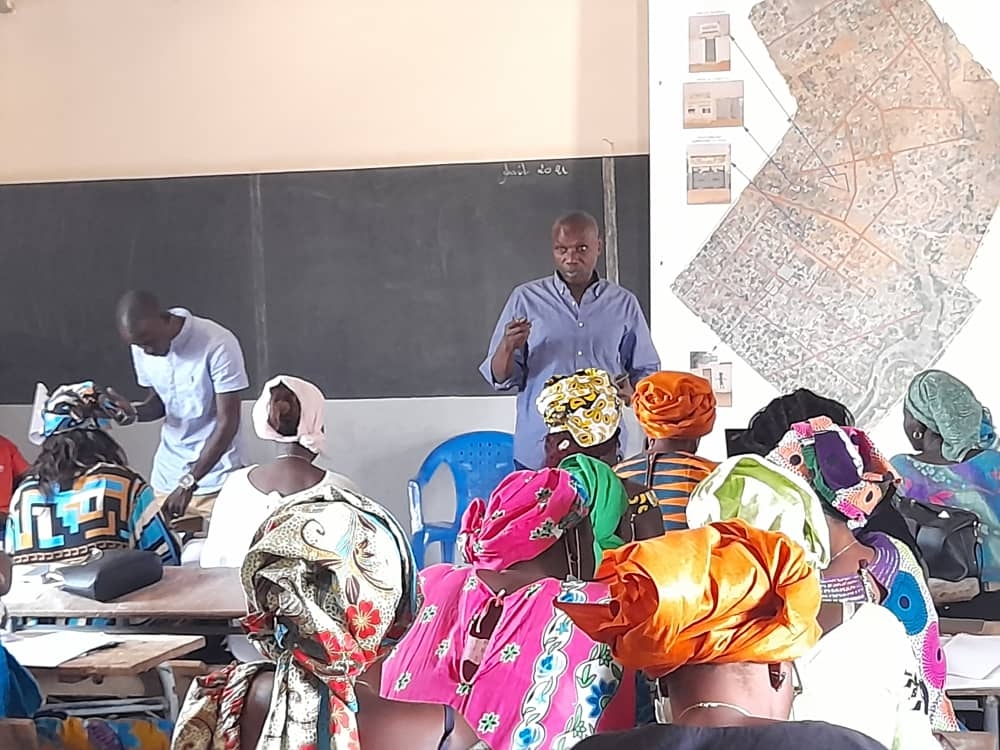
column 489, row 640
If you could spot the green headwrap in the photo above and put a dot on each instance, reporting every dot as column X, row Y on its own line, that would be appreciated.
column 947, row 406
column 767, row 497
column 606, row 496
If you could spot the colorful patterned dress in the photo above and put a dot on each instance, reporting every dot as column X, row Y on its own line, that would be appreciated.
column 674, row 477
column 541, row 682
column 972, row 485
column 895, row 571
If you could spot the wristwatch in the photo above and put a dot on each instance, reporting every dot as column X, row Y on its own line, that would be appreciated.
column 187, row 482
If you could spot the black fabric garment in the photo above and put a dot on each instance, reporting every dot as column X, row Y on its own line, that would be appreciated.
column 887, row 519
column 791, row 735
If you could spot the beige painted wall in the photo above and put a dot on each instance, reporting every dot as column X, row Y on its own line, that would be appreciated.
column 129, row 88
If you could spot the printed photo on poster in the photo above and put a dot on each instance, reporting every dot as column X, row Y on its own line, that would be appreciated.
column 719, row 374
column 709, row 46
column 713, row 104
column 709, row 173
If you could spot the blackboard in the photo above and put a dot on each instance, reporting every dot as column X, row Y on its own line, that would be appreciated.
column 371, row 283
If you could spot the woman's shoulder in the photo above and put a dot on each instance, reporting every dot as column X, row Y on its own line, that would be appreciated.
column 777, row 736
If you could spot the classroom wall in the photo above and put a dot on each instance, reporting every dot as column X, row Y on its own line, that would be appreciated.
column 141, row 88
column 677, row 230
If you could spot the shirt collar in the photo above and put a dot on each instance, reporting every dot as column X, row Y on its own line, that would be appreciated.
column 597, row 284
column 185, row 333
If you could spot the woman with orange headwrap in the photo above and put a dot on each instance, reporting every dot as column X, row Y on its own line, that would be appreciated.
column 719, row 613
column 676, row 410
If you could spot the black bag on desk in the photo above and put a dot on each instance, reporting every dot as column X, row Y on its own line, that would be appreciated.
column 112, row 573
column 949, row 539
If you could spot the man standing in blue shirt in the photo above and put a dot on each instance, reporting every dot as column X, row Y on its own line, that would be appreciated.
column 194, row 370
column 561, row 324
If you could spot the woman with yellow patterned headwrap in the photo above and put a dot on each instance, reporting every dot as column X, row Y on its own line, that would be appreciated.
column 720, row 613
column 583, row 414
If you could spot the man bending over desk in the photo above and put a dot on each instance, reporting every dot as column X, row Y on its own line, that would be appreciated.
column 563, row 323
column 194, row 370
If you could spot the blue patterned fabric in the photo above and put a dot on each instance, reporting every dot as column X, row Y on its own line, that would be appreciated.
column 109, row 507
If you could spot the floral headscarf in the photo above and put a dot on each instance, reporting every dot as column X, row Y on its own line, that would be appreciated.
column 725, row 593
column 674, row 405
column 331, row 587
column 526, row 514
column 840, row 464
column 585, row 404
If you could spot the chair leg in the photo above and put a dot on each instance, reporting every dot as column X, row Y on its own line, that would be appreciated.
column 419, row 545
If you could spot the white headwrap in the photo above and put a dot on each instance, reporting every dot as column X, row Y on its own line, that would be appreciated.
column 311, row 433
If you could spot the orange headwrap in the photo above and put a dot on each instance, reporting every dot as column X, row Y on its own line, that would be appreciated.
column 674, row 405
column 724, row 593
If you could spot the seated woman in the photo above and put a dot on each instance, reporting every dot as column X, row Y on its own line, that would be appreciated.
column 675, row 410
column 79, row 495
column 583, row 414
column 862, row 637
column 331, row 586
column 721, row 630
column 955, row 463
column 488, row 640
column 851, row 478
column 289, row 412
column 768, row 426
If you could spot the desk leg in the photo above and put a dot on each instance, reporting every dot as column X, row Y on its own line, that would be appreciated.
column 991, row 716
column 166, row 675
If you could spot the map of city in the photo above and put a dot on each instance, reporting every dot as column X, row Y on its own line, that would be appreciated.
column 841, row 267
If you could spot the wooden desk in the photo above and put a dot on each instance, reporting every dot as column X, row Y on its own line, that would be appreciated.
column 136, row 666
column 186, row 592
column 133, row 655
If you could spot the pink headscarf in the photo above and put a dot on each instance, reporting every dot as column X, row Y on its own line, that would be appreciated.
column 524, row 516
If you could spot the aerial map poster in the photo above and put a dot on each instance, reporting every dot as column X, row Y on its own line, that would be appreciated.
column 842, row 263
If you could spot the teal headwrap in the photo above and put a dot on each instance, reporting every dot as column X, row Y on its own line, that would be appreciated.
column 947, row 406
column 605, row 495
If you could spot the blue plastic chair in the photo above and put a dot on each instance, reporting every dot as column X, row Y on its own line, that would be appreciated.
column 478, row 461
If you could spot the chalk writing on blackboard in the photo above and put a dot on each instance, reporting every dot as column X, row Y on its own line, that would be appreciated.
column 523, row 169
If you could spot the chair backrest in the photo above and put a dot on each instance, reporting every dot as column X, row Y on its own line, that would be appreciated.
column 477, row 461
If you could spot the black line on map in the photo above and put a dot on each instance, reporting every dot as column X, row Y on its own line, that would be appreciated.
column 770, row 159
column 791, row 120
column 777, row 206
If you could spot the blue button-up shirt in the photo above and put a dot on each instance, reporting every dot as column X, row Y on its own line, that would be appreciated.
column 606, row 330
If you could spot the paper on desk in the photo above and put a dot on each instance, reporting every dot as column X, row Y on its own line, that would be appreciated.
column 53, row 649
column 973, row 657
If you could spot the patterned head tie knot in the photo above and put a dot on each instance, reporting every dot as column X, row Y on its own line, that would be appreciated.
column 585, row 404
column 840, row 463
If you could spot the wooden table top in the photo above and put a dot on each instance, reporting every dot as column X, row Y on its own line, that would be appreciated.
column 187, row 592
column 133, row 655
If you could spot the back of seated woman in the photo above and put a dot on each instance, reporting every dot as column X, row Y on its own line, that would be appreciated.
column 331, row 587
column 80, row 495
column 722, row 631
column 288, row 413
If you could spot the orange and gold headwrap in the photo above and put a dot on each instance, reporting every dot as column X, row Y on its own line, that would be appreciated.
column 674, row 405
column 724, row 593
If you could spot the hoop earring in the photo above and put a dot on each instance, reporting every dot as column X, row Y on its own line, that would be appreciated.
column 917, row 434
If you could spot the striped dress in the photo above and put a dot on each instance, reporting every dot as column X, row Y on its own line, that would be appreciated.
column 673, row 478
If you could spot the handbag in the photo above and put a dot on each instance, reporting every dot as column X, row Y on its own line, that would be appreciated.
column 112, row 573
column 949, row 540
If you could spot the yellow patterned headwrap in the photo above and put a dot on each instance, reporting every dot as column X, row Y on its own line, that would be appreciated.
column 585, row 404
